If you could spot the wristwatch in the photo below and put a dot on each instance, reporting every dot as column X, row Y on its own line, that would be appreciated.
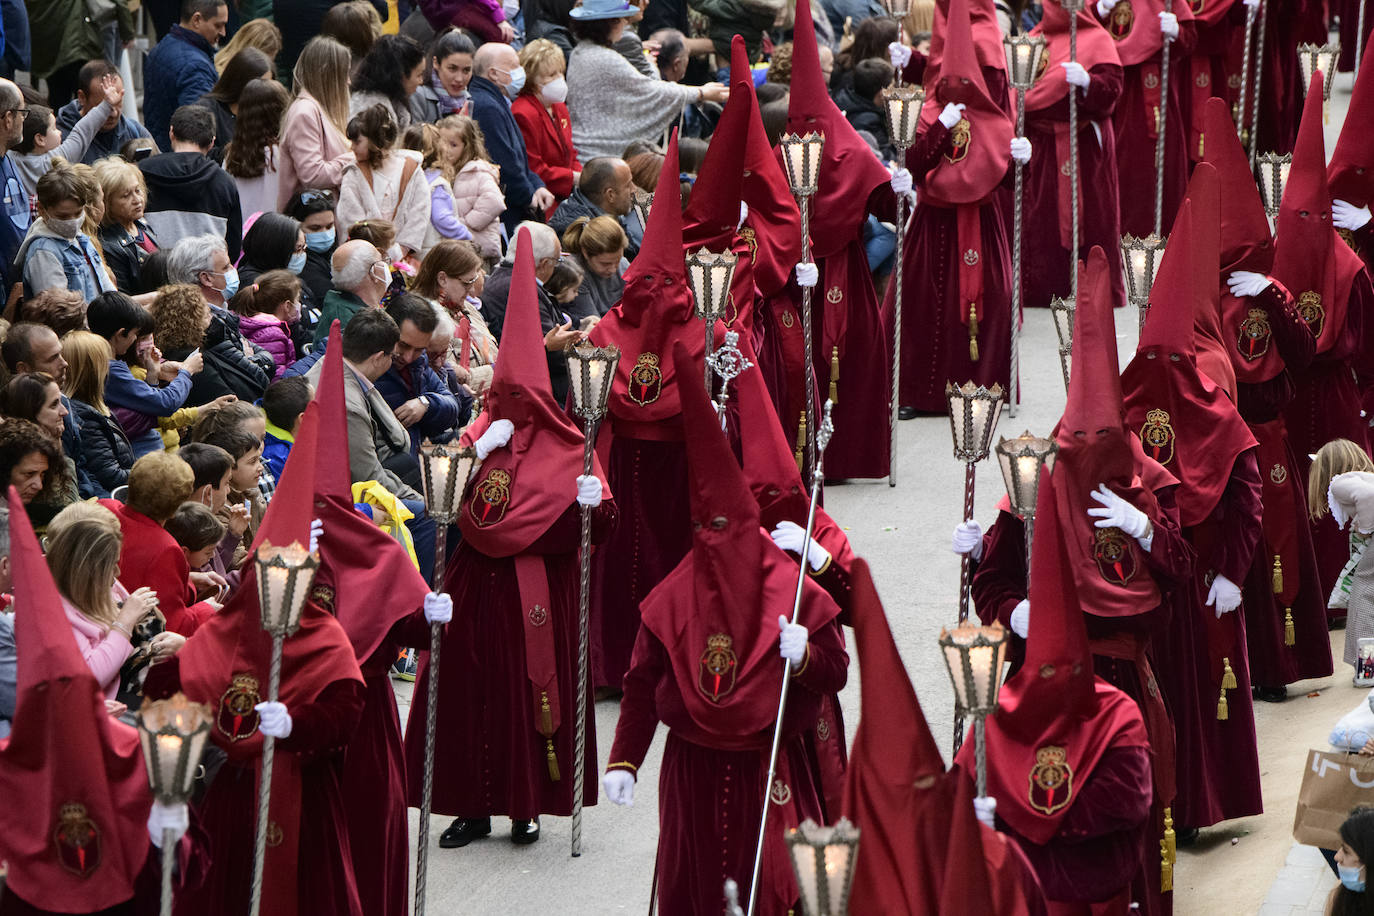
column 423, row 400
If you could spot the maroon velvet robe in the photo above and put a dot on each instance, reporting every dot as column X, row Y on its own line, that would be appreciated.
column 710, row 796
column 489, row 757
column 1287, row 23
column 1045, row 254
column 1349, row 13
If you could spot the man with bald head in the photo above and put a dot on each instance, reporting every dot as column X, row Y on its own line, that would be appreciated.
column 14, row 222
column 496, row 80
column 360, row 276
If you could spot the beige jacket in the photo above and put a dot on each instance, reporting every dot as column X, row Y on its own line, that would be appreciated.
column 384, row 198
column 374, row 433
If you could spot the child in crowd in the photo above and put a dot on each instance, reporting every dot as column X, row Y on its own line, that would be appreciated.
column 267, row 309
column 198, row 531
column 564, row 285
column 284, row 402
column 41, row 143
column 384, row 182
column 56, row 254
column 239, row 429
column 212, row 467
column 1341, row 482
column 443, row 222
column 477, row 198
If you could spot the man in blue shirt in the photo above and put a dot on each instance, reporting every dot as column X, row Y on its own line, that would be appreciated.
column 14, row 222
column 117, row 129
column 181, row 68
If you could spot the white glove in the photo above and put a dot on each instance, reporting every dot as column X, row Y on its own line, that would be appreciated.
column 986, row 810
column 1020, row 618
column 1105, row 7
column 1021, row 149
column 1224, row 594
column 1075, row 74
column 316, row 532
column 1247, row 283
column 588, row 491
column 743, row 214
column 1168, row 26
column 176, row 818
column 619, row 786
column 791, row 641
column 807, row 274
column 900, row 181
column 497, row 435
column 952, row 113
column 899, row 54
column 789, row 536
column 968, row 539
column 1348, row 216
column 1118, row 513
column 438, row 607
column 273, row 720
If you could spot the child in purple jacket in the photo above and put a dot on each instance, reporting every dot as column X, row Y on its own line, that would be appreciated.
column 266, row 310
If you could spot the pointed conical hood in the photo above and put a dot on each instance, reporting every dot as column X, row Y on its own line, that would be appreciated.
column 1213, row 354
column 1184, row 278
column 1246, row 243
column 961, row 896
column 1094, row 400
column 1095, row 48
column 660, row 254
column 768, row 461
column 713, row 211
column 985, row 30
column 1350, row 175
column 522, row 375
column 73, row 781
column 332, row 476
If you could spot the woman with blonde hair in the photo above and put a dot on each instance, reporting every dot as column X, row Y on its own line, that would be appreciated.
column 314, row 148
column 105, row 450
column 543, row 117
column 477, row 199
column 125, row 239
column 261, row 34
column 597, row 245
column 451, row 276
column 1341, row 481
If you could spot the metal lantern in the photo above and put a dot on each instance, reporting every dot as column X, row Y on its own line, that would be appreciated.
column 1023, row 59
column 1022, row 459
column 709, row 275
column 1273, row 178
column 641, row 203
column 1063, row 311
column 897, row 9
column 973, row 414
column 173, row 733
column 1142, row 257
column 902, row 107
column 284, row 578
column 592, row 370
column 973, row 656
column 801, row 158
column 444, row 471
column 823, row 861
column 1312, row 58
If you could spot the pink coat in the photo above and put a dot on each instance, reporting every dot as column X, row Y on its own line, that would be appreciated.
column 478, row 202
column 105, row 649
column 313, row 153
column 272, row 335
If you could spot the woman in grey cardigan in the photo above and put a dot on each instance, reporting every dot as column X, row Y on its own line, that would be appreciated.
column 612, row 103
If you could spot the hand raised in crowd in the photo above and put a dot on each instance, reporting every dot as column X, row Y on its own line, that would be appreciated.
column 561, row 337
column 507, row 31
column 218, row 402
column 112, row 87
column 193, row 363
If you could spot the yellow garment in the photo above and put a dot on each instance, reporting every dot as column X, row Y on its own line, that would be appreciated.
column 393, row 19
column 374, row 494
column 170, row 427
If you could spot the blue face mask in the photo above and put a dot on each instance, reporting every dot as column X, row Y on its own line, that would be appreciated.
column 1350, row 878
column 297, row 262
column 320, row 241
column 231, row 283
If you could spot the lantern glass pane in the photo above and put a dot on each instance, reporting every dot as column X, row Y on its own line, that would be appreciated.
column 954, row 663
column 804, row 863
column 837, row 865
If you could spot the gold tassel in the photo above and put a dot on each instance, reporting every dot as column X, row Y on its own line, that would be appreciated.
column 554, row 775
column 1290, row 636
column 1276, row 577
column 1168, row 853
column 545, row 715
column 1228, row 677
column 1169, row 836
column 1223, row 711
column 835, row 375
column 973, row 331
column 1200, row 142
column 799, row 454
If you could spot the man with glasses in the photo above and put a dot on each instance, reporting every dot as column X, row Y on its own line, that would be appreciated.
column 14, row 222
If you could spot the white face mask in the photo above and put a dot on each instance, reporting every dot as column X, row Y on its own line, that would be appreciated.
column 555, row 91
column 385, row 278
column 67, row 228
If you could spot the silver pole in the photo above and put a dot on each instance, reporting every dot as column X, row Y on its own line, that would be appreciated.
column 896, row 332
column 168, row 865
column 583, row 606
column 1240, row 112
column 1073, row 160
column 269, row 747
column 1163, row 128
column 1259, row 81
column 965, row 584
column 431, row 716
column 805, row 203
column 980, row 751
column 1017, row 204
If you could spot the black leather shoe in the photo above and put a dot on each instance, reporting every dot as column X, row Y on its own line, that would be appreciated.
column 523, row 833
column 1185, row 837
column 463, row 831
column 906, row 413
column 1272, row 694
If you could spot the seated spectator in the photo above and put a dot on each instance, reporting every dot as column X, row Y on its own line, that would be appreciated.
column 485, row 20
column 275, row 242
column 543, row 117
column 440, row 350
column 188, row 193
column 116, row 130
column 606, row 188
column 261, row 34
column 477, row 198
column 597, row 247
column 355, row 24
column 564, row 284
column 493, row 87
column 314, row 148
column 198, row 532
column 31, row 461
column 243, row 442
column 251, row 158
column 675, row 52
column 445, row 89
column 36, row 397
column 136, row 403
column 42, row 142
column 384, row 183
column 611, row 102
column 151, row 558
column 106, row 454
column 267, row 310
column 212, row 467
column 645, row 167
column 444, row 223
column 125, row 238
column 184, row 325
column 862, row 102
column 30, row 347
column 283, row 404
column 62, row 310
column 56, row 254
column 388, row 76
column 360, row 276
column 315, row 211
column 181, row 68
column 223, row 100
column 451, row 277
column 418, row 397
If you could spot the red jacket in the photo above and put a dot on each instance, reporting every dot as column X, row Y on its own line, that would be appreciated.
column 548, row 143
column 151, row 557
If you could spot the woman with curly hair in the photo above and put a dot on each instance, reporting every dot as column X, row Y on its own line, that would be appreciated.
column 223, row 100
column 384, row 183
column 31, row 460
column 251, row 157
column 388, row 76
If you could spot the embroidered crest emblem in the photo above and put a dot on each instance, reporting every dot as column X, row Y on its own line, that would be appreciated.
column 750, row 239
column 1233, row 81
column 1255, row 334
column 780, row 794
column 960, row 136
column 971, row 257
column 77, row 839
column 1051, row 780
column 1064, row 169
column 823, row 729
column 787, row 319
column 490, row 498
column 1311, row 309
column 1157, row 436
column 1151, row 81
column 1115, row 559
column 834, row 295
column 274, row 834
column 323, row 595
column 646, row 380
column 1204, row 79
column 539, row 615
column 1122, row 20
column 1278, row 473
column 237, row 719
column 718, row 664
